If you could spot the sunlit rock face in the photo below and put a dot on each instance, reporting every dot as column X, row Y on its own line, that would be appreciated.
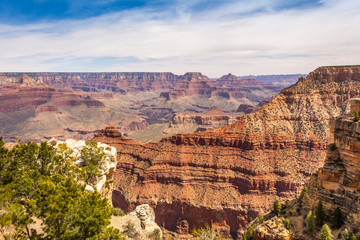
column 142, row 220
column 102, row 183
column 224, row 176
column 336, row 184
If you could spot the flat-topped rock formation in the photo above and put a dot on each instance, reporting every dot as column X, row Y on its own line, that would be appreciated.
column 224, row 176
column 38, row 106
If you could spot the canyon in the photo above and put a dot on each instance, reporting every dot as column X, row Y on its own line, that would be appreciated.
column 336, row 184
column 224, row 176
column 143, row 106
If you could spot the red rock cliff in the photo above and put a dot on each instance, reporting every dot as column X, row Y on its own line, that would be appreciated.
column 224, row 176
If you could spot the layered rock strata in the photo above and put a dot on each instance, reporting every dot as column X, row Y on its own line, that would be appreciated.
column 224, row 176
column 38, row 106
column 336, row 184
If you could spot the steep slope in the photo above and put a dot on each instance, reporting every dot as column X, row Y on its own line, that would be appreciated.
column 336, row 184
column 224, row 176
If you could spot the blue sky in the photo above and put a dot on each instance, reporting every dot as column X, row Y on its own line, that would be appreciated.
column 214, row 37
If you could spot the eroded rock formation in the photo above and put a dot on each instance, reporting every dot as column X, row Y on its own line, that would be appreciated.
column 224, row 176
column 142, row 220
column 336, row 184
column 38, row 106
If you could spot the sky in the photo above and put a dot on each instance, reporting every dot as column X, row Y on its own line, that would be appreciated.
column 214, row 37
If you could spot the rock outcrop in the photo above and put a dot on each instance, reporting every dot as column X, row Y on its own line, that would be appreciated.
column 211, row 119
column 336, row 184
column 272, row 229
column 222, row 177
column 139, row 224
column 103, row 183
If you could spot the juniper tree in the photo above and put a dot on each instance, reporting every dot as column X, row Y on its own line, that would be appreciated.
column 309, row 222
column 326, row 233
column 37, row 181
column 320, row 214
column 277, row 207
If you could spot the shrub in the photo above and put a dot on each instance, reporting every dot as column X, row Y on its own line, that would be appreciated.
column 277, row 207
column 286, row 222
column 352, row 236
column 326, row 233
column 248, row 235
column 130, row 231
column 204, row 233
column 118, row 212
column 345, row 234
column 303, row 191
column 309, row 222
column 155, row 235
column 261, row 218
column 356, row 117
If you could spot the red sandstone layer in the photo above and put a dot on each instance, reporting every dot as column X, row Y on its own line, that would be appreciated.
column 226, row 175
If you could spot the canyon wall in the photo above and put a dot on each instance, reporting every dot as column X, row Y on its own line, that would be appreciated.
column 224, row 176
column 336, row 184
column 39, row 106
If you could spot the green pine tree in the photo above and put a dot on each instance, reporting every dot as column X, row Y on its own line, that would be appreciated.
column 309, row 222
column 277, row 207
column 303, row 192
column 356, row 117
column 320, row 214
column 352, row 236
column 337, row 218
column 37, row 181
column 326, row 233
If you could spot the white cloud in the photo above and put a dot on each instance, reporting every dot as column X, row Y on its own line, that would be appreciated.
column 215, row 42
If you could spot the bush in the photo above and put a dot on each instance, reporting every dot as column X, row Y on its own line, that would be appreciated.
column 130, row 231
column 261, row 218
column 356, row 117
column 204, row 233
column 303, row 192
column 352, row 236
column 309, row 222
column 345, row 234
column 155, row 235
column 326, row 233
column 277, row 207
column 286, row 223
column 118, row 212
column 249, row 234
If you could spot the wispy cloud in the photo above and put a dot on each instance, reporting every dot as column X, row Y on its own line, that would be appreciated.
column 242, row 37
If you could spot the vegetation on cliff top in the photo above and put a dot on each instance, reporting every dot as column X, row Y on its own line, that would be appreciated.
column 39, row 184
